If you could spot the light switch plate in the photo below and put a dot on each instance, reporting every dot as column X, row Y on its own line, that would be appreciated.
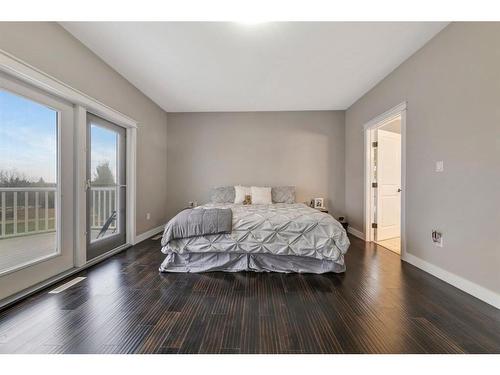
column 439, row 166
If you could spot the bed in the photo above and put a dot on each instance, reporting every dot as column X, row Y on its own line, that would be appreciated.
column 278, row 237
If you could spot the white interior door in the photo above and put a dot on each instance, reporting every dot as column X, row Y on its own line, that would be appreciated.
column 388, row 195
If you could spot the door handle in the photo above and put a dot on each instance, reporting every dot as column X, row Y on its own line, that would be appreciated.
column 399, row 190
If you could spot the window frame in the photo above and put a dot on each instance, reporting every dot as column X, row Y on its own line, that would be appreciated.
column 18, row 88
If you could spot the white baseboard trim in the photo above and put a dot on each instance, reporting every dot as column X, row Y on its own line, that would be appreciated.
column 148, row 234
column 467, row 286
column 356, row 233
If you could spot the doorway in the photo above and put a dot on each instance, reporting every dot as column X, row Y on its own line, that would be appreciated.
column 384, row 179
column 106, row 186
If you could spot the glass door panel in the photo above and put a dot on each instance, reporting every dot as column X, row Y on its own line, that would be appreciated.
column 28, row 182
column 106, row 189
column 36, row 186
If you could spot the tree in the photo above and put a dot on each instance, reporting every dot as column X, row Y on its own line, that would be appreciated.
column 13, row 178
column 103, row 174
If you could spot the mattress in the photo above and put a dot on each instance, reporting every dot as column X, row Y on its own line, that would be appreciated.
column 266, row 232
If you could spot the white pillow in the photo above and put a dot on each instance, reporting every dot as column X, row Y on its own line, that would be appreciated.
column 240, row 192
column 261, row 195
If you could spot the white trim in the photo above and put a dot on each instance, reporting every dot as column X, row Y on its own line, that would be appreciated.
column 80, row 182
column 465, row 285
column 27, row 73
column 148, row 234
column 386, row 116
column 131, row 184
column 356, row 233
column 397, row 111
column 403, row 182
column 368, row 174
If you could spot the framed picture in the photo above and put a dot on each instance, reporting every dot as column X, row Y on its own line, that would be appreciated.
column 319, row 203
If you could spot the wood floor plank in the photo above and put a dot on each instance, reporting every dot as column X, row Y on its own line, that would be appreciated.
column 250, row 338
column 196, row 332
column 233, row 324
column 183, row 323
column 214, row 333
column 379, row 305
column 152, row 343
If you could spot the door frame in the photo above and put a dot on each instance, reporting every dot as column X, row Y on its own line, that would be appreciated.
column 368, row 132
column 119, row 239
column 39, row 269
column 81, row 178
column 82, row 103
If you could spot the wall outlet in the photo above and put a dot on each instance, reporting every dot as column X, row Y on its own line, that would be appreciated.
column 148, row 216
column 437, row 238
column 439, row 166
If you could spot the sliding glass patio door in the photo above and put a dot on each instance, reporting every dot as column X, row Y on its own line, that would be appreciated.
column 36, row 186
column 106, row 186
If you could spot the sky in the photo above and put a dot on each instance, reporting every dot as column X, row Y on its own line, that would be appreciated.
column 28, row 139
column 28, row 133
column 103, row 148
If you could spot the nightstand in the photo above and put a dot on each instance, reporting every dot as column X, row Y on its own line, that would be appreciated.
column 325, row 210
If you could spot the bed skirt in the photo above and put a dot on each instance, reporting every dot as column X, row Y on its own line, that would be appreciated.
column 234, row 262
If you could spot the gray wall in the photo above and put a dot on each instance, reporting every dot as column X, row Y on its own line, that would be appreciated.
column 48, row 47
column 304, row 149
column 452, row 86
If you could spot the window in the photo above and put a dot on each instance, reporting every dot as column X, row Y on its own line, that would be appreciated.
column 104, row 190
column 28, row 181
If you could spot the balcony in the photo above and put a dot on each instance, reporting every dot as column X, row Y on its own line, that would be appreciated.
column 28, row 224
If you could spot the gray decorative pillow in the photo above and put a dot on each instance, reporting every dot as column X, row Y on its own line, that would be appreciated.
column 283, row 194
column 223, row 194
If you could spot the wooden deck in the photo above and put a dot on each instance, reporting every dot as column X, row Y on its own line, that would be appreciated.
column 21, row 249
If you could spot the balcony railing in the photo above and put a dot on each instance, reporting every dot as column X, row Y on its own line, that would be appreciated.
column 103, row 204
column 27, row 210
column 32, row 210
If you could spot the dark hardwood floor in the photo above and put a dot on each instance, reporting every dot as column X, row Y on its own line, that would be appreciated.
column 380, row 305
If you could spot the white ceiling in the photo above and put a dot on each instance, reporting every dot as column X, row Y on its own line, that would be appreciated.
column 225, row 66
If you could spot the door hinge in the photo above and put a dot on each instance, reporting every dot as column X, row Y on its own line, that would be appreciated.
column 374, row 225
column 374, row 144
column 374, row 185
